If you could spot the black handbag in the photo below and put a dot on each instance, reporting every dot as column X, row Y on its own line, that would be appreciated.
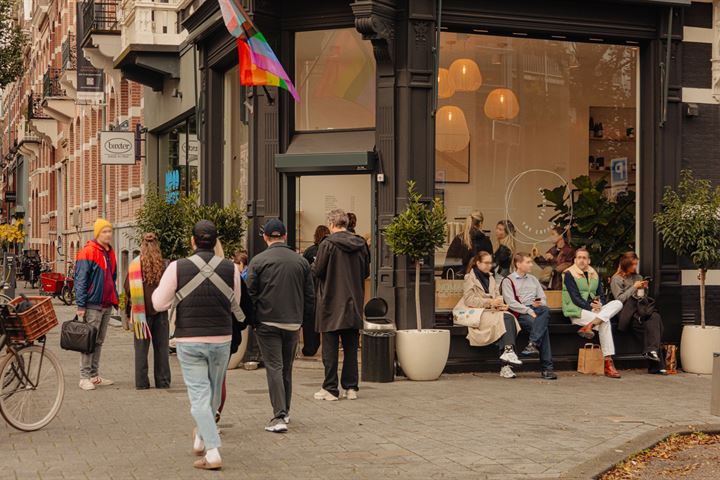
column 78, row 335
column 645, row 308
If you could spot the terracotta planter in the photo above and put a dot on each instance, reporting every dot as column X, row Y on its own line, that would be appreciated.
column 422, row 354
column 697, row 347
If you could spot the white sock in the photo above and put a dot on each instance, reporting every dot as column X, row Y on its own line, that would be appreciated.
column 198, row 444
column 213, row 456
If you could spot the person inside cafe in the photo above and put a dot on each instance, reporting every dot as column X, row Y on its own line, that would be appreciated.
column 557, row 259
column 466, row 245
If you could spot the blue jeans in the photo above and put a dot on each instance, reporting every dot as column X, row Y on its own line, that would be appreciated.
column 539, row 333
column 204, row 366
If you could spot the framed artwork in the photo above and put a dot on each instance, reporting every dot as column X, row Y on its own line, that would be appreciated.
column 452, row 167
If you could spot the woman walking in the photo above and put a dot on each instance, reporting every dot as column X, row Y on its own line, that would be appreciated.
column 149, row 325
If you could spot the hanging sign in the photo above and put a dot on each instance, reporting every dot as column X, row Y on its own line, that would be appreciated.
column 117, row 148
column 619, row 171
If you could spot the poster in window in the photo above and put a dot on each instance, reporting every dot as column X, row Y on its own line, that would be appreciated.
column 452, row 167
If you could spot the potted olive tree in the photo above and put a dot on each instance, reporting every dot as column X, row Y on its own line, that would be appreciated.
column 689, row 224
column 416, row 233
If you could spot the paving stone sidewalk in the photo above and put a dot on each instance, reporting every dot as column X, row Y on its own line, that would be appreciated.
column 462, row 426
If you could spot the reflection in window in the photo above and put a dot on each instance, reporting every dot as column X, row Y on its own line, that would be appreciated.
column 180, row 159
column 235, row 164
column 519, row 115
column 335, row 73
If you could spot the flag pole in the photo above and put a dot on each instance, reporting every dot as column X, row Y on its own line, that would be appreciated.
column 271, row 100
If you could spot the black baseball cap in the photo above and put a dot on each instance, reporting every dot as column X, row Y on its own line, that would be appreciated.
column 205, row 234
column 274, row 228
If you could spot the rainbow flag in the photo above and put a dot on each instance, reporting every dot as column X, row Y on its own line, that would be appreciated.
column 258, row 63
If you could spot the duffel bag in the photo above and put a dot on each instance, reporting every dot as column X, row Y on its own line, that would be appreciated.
column 78, row 335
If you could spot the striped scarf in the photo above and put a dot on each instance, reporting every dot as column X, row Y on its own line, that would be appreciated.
column 137, row 298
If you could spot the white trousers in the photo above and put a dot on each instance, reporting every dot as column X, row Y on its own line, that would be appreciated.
column 604, row 330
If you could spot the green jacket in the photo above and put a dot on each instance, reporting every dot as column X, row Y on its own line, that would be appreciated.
column 587, row 286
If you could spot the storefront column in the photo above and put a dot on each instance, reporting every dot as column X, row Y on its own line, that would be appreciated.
column 402, row 34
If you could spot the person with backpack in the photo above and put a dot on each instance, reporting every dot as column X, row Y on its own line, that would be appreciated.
column 149, row 325
column 527, row 301
column 96, row 296
column 205, row 291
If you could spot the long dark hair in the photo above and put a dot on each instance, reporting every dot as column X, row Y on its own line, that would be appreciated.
column 321, row 232
column 151, row 261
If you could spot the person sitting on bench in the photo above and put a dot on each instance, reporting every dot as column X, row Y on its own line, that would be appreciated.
column 583, row 302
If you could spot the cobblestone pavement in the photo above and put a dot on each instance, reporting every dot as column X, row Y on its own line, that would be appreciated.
column 462, row 426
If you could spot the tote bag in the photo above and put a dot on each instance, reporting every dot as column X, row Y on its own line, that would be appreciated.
column 448, row 291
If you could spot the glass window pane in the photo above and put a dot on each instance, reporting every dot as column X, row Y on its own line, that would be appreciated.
column 236, row 154
column 335, row 77
column 518, row 116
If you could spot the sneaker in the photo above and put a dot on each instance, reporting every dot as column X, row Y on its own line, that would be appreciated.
column 323, row 394
column 350, row 394
column 507, row 372
column 531, row 350
column 509, row 356
column 86, row 384
column 276, row 425
column 652, row 356
column 286, row 419
column 103, row 382
column 548, row 375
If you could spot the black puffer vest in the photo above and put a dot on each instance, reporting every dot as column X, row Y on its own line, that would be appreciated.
column 205, row 312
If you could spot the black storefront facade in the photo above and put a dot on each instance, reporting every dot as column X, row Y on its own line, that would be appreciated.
column 400, row 144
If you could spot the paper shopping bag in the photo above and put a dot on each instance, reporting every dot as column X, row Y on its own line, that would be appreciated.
column 448, row 291
column 590, row 360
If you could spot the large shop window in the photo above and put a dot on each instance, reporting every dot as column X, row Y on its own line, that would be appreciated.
column 180, row 159
column 235, row 161
column 518, row 116
column 335, row 77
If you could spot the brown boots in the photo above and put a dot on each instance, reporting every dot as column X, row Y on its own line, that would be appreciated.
column 610, row 369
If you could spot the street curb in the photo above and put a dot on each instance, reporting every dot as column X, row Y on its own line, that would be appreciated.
column 592, row 469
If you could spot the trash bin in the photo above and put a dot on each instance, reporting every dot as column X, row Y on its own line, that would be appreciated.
column 715, row 396
column 378, row 344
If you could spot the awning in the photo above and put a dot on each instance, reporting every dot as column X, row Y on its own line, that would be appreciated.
column 320, row 152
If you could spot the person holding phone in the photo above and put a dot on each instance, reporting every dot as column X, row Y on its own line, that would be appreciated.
column 526, row 300
column 583, row 302
column 629, row 287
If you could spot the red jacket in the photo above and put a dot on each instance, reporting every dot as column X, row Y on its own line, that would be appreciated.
column 90, row 269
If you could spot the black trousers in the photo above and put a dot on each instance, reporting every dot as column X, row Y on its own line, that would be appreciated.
column 510, row 334
column 311, row 338
column 160, row 332
column 278, row 352
column 331, row 343
column 649, row 332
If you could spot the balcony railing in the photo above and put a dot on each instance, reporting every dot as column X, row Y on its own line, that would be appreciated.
column 69, row 53
column 100, row 16
column 51, row 83
column 35, row 109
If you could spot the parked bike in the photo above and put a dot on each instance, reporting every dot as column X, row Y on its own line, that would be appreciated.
column 32, row 383
column 60, row 286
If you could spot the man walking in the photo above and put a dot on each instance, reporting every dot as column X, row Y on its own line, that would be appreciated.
column 525, row 297
column 583, row 302
column 205, row 290
column 96, row 295
column 280, row 285
column 341, row 267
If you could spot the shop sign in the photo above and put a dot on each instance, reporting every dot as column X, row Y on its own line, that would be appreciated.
column 619, row 172
column 11, row 197
column 190, row 149
column 172, row 187
column 117, row 148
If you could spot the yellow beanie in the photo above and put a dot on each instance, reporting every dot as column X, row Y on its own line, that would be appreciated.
column 100, row 224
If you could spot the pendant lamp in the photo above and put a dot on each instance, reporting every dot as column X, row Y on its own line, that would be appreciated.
column 451, row 130
column 502, row 104
column 465, row 75
column 446, row 87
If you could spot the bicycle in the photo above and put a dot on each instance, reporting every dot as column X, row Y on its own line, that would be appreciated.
column 32, row 383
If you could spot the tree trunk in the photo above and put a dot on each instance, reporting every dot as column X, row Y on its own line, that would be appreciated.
column 418, row 318
column 703, row 274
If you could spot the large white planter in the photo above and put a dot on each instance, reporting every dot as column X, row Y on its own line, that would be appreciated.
column 422, row 354
column 697, row 346
column 237, row 357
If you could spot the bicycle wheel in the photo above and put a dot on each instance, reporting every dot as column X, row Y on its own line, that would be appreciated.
column 67, row 295
column 4, row 299
column 32, row 388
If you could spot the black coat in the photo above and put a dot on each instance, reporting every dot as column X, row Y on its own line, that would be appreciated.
column 460, row 255
column 247, row 308
column 341, row 267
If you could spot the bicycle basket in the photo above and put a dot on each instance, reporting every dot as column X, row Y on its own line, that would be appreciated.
column 34, row 322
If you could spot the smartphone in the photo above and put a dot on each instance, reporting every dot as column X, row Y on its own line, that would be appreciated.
column 647, row 279
column 538, row 299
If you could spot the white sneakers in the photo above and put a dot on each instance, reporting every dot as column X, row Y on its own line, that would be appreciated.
column 86, row 384
column 323, row 394
column 350, row 394
column 92, row 383
column 509, row 356
column 507, row 372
